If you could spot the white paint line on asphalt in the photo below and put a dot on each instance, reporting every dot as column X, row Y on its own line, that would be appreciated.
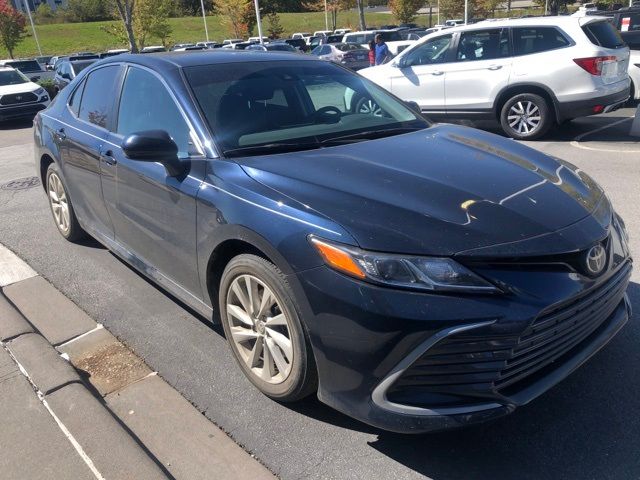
column 99, row 326
column 576, row 141
column 83, row 455
column 12, row 268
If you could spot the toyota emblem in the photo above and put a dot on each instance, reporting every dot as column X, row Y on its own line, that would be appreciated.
column 596, row 259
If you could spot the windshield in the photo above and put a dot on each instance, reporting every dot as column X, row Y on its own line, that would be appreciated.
column 12, row 77
column 294, row 105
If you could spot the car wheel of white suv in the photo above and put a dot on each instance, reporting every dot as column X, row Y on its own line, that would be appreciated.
column 526, row 116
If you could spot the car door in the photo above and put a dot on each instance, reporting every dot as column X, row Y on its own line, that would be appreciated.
column 81, row 139
column 154, row 213
column 481, row 70
column 420, row 74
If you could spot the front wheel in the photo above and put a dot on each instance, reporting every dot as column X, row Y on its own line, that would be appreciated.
column 61, row 207
column 264, row 329
column 526, row 116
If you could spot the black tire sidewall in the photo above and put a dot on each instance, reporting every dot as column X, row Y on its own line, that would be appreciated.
column 75, row 231
column 302, row 378
column 545, row 113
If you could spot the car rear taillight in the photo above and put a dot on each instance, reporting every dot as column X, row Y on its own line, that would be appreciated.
column 593, row 65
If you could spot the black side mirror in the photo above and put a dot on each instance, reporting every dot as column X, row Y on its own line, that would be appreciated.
column 154, row 146
column 413, row 106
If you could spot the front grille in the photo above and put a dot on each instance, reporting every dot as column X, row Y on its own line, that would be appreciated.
column 471, row 365
column 18, row 98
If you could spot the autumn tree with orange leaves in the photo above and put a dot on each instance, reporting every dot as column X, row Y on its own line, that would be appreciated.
column 12, row 26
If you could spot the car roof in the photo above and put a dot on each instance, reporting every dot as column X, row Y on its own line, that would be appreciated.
column 6, row 68
column 171, row 60
column 510, row 22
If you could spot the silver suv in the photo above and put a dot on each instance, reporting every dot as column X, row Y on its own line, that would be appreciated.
column 526, row 73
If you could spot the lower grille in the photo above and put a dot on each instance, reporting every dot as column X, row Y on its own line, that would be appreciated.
column 470, row 366
column 18, row 98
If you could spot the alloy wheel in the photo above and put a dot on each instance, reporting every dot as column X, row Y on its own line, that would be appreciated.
column 59, row 202
column 369, row 107
column 259, row 329
column 524, row 117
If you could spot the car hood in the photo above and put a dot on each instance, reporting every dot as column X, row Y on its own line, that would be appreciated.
column 438, row 191
column 19, row 88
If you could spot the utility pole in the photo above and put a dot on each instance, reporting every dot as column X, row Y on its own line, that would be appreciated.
column 360, row 6
column 33, row 27
column 258, row 21
column 466, row 11
column 204, row 19
column 326, row 16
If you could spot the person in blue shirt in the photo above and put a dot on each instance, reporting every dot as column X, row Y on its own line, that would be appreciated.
column 382, row 51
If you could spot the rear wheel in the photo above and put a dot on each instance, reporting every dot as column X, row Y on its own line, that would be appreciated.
column 526, row 116
column 64, row 215
column 366, row 106
column 264, row 330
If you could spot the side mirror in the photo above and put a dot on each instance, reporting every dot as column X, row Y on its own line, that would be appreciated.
column 413, row 106
column 154, row 146
column 66, row 76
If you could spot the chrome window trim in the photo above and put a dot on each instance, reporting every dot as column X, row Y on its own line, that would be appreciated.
column 379, row 395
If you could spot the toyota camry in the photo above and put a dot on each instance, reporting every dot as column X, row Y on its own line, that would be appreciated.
column 415, row 276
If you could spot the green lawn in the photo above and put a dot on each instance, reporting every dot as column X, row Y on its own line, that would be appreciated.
column 72, row 37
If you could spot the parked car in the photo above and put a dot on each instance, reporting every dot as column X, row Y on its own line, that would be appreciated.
column 19, row 96
column 626, row 20
column 153, row 49
column 272, row 47
column 348, row 54
column 44, row 60
column 29, row 67
column 82, row 56
column 392, row 38
column 313, row 42
column 188, row 49
column 112, row 53
column 257, row 39
column 209, row 45
column 341, row 31
column 238, row 46
column 634, row 75
column 508, row 267
column 182, row 46
column 68, row 70
column 454, row 23
column 322, row 33
column 231, row 41
column 301, row 35
column 298, row 43
column 334, row 38
column 413, row 33
column 526, row 73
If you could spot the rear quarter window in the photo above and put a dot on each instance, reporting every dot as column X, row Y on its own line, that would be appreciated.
column 603, row 34
column 528, row 40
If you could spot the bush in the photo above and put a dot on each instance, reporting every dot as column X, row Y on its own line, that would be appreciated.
column 49, row 86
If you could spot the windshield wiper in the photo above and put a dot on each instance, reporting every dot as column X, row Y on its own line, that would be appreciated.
column 372, row 134
column 279, row 147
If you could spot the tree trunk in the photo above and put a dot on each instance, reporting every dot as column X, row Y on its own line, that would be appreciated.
column 430, row 15
column 508, row 5
column 125, row 9
column 363, row 23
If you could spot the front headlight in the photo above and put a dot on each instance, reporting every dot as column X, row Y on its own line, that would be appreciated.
column 40, row 91
column 418, row 273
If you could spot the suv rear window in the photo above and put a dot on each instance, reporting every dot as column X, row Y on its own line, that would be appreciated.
column 530, row 40
column 603, row 34
column 26, row 65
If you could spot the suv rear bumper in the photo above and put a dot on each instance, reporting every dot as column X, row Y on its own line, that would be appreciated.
column 584, row 108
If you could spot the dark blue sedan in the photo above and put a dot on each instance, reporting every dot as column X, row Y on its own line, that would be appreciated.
column 416, row 276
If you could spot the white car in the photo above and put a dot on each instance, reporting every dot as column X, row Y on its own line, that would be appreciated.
column 526, row 73
column 257, row 40
column 392, row 38
column 341, row 31
column 322, row 33
column 634, row 74
column 19, row 96
column 303, row 35
column 232, row 41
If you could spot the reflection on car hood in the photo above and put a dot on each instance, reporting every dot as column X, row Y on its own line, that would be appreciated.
column 438, row 191
column 19, row 88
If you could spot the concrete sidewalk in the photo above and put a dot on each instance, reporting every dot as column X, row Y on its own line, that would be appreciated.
column 77, row 403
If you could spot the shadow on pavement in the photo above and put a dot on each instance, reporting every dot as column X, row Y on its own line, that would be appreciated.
column 586, row 427
column 16, row 124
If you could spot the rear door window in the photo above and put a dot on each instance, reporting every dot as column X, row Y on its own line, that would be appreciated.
column 603, row 34
column 97, row 100
column 483, row 45
column 528, row 40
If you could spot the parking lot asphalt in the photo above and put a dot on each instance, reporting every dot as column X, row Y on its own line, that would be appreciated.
column 586, row 427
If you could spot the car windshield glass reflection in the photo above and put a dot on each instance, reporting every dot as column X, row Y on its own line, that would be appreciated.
column 272, row 107
column 12, row 77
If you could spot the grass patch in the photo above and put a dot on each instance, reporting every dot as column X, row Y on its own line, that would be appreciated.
column 72, row 37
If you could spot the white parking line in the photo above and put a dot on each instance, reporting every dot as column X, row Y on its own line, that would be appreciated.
column 12, row 268
column 576, row 141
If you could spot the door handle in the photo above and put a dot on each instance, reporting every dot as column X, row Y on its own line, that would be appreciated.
column 107, row 157
column 437, row 72
column 60, row 135
column 495, row 67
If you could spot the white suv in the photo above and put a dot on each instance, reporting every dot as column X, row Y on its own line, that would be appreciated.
column 526, row 73
column 19, row 96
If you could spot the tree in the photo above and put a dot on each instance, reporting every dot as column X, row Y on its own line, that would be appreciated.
column 455, row 8
column 44, row 14
column 87, row 10
column 238, row 15
column 12, row 26
column 274, row 28
column 405, row 11
column 333, row 7
column 125, row 11
column 489, row 7
column 150, row 19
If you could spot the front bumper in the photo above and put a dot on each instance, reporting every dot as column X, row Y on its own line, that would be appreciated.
column 367, row 340
column 21, row 111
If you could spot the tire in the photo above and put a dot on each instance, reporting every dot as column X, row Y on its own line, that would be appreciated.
column 526, row 116
column 366, row 105
column 64, row 215
column 251, row 339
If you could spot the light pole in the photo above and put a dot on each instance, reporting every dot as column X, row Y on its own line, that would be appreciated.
column 204, row 19
column 258, row 21
column 326, row 16
column 466, row 11
column 33, row 27
column 438, row 22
